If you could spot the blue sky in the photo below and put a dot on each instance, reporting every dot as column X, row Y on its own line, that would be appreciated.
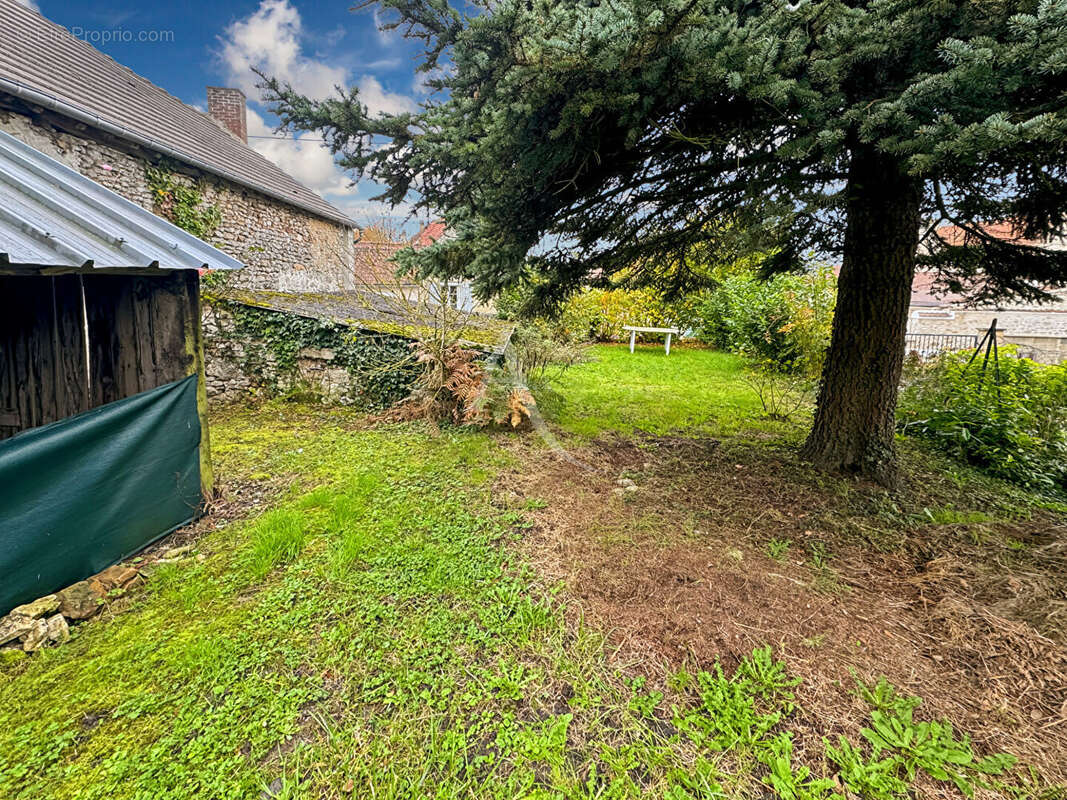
column 185, row 47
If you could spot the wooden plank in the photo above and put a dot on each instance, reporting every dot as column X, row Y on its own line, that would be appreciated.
column 113, row 358
column 41, row 352
column 170, row 304
column 140, row 337
column 32, row 334
column 144, row 363
column 649, row 330
column 127, row 344
column 71, row 357
column 10, row 318
column 103, row 343
column 137, row 333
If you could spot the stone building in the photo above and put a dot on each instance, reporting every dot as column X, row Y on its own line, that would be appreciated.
column 70, row 101
column 937, row 317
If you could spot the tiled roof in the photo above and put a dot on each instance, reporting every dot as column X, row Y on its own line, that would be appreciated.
column 954, row 235
column 924, row 293
column 430, row 233
column 51, row 215
column 373, row 262
column 42, row 62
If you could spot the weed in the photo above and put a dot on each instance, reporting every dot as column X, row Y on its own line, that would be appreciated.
column 789, row 782
column 820, row 558
column 643, row 705
column 778, row 549
column 952, row 516
column 277, row 538
column 900, row 747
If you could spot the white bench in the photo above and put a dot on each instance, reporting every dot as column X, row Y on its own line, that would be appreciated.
column 634, row 330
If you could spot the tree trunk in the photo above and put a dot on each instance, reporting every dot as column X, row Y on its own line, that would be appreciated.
column 854, row 417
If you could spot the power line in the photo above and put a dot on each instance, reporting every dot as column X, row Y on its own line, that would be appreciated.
column 292, row 138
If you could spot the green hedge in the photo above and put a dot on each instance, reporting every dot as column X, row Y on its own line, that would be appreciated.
column 783, row 322
column 600, row 314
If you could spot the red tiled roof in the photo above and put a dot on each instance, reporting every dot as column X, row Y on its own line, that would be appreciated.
column 924, row 294
column 430, row 233
column 373, row 255
column 373, row 265
column 955, row 235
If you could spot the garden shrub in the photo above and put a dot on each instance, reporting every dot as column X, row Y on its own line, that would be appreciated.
column 600, row 314
column 539, row 358
column 783, row 322
column 1007, row 417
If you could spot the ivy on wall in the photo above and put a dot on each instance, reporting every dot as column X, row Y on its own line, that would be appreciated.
column 182, row 203
column 381, row 365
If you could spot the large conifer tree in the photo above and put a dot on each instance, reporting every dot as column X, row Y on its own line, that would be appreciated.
column 582, row 134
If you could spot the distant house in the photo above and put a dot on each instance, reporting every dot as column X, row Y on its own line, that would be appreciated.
column 939, row 319
column 374, row 268
column 70, row 101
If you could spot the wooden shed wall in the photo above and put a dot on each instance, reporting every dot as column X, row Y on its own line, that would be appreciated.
column 138, row 331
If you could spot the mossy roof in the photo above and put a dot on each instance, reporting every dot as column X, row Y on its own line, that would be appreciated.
column 367, row 311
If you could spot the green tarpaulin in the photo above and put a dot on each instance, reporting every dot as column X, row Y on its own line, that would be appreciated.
column 84, row 492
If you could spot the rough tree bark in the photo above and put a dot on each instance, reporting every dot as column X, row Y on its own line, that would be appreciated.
column 854, row 417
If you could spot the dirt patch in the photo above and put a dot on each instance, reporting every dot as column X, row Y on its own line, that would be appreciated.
column 680, row 572
column 234, row 500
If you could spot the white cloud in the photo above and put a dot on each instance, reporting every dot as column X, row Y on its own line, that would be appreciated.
column 384, row 36
column 378, row 100
column 304, row 158
column 369, row 213
column 30, row 4
column 270, row 40
column 333, row 37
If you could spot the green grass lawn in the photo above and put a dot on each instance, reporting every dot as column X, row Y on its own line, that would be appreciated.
column 374, row 633
column 370, row 635
column 693, row 390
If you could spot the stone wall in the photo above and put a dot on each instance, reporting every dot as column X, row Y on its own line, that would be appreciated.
column 283, row 247
column 1041, row 334
column 1045, row 322
column 1046, row 349
column 237, row 367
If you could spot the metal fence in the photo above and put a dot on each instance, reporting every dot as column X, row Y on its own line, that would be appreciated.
column 928, row 345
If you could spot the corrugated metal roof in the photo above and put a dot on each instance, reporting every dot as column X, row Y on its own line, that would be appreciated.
column 52, row 215
column 46, row 59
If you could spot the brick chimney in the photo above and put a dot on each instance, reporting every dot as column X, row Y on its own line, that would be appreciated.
column 228, row 107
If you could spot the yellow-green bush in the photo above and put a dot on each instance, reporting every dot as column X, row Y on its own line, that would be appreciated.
column 783, row 322
column 600, row 314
